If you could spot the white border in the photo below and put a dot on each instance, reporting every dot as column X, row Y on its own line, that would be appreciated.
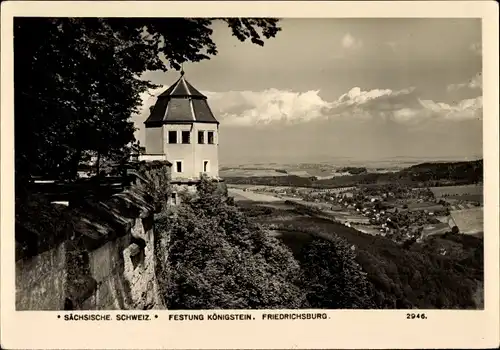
column 344, row 329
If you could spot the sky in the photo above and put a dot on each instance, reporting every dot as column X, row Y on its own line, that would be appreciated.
column 322, row 89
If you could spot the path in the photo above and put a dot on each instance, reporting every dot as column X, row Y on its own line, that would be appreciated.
column 239, row 194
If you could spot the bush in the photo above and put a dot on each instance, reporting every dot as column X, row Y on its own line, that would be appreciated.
column 155, row 180
column 217, row 259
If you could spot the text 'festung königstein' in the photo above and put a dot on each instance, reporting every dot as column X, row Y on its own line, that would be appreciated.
column 247, row 317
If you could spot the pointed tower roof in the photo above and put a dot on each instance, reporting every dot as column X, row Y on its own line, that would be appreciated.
column 182, row 88
column 180, row 103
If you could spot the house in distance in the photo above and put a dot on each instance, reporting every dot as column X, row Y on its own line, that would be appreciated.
column 183, row 130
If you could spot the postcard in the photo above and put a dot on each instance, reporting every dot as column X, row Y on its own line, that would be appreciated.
column 268, row 175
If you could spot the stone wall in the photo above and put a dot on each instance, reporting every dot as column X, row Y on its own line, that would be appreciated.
column 100, row 255
column 39, row 281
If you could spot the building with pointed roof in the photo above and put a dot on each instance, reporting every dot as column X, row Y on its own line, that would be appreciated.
column 182, row 129
column 180, row 103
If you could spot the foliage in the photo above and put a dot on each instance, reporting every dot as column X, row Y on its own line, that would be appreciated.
column 353, row 170
column 470, row 172
column 417, row 275
column 218, row 259
column 254, row 211
column 155, row 180
column 423, row 278
column 78, row 80
column 331, row 276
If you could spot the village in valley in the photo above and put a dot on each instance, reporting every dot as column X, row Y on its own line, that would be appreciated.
column 390, row 211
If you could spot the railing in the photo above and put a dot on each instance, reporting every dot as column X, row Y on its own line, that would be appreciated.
column 65, row 191
column 152, row 157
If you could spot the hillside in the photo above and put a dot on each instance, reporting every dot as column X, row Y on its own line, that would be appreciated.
column 468, row 172
column 441, row 273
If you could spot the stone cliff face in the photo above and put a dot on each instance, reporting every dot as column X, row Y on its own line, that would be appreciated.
column 103, row 259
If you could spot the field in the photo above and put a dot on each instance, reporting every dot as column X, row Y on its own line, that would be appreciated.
column 239, row 194
column 469, row 221
column 467, row 198
column 306, row 170
column 244, row 172
column 429, row 206
column 465, row 192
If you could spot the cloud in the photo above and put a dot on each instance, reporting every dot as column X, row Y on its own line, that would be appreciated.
column 280, row 107
column 350, row 42
column 268, row 106
column 477, row 48
column 248, row 108
column 466, row 109
column 476, row 82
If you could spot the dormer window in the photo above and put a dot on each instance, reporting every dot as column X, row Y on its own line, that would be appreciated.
column 172, row 137
column 186, row 137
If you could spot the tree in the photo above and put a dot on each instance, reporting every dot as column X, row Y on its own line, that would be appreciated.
column 77, row 80
column 332, row 278
column 217, row 259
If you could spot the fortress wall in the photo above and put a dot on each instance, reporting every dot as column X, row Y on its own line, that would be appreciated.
column 103, row 259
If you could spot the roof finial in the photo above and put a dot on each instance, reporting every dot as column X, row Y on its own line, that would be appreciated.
column 182, row 69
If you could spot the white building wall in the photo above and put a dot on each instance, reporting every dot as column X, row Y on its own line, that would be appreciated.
column 192, row 155
column 207, row 152
column 154, row 140
column 179, row 152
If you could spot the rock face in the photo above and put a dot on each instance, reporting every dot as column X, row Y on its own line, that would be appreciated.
column 103, row 260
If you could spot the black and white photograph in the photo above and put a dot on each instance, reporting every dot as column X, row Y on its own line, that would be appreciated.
column 248, row 163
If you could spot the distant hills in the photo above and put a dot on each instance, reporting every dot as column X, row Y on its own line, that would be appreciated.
column 423, row 174
column 470, row 171
column 399, row 161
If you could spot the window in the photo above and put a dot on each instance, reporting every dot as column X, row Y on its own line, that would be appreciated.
column 173, row 198
column 172, row 137
column 211, row 137
column 201, row 137
column 205, row 166
column 186, row 136
column 178, row 166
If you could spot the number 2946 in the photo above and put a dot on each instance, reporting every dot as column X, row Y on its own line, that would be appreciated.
column 412, row 316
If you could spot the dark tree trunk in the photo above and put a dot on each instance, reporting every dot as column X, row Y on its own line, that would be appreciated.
column 75, row 162
column 98, row 163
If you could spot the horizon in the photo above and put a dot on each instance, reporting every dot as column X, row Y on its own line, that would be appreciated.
column 370, row 89
column 396, row 161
